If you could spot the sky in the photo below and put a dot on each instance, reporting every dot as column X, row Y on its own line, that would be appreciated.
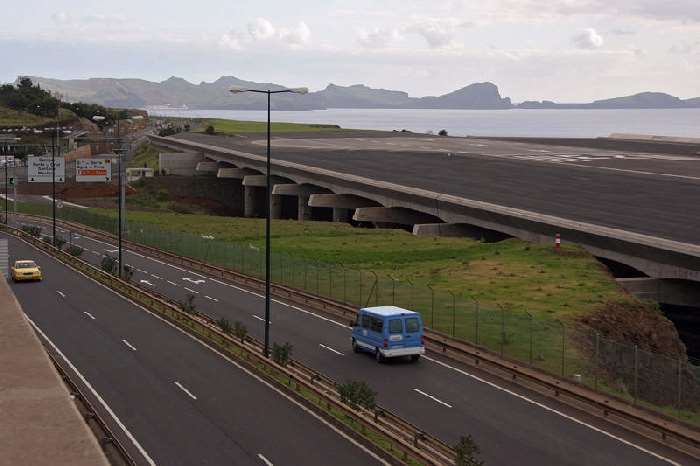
column 563, row 50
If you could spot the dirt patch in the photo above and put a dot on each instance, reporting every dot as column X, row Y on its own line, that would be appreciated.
column 92, row 190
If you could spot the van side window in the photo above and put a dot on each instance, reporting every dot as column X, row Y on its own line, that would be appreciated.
column 365, row 321
column 376, row 325
column 412, row 325
column 395, row 326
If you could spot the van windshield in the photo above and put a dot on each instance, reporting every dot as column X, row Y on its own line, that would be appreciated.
column 412, row 325
column 395, row 326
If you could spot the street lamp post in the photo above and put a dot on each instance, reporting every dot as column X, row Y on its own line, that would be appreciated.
column 268, row 201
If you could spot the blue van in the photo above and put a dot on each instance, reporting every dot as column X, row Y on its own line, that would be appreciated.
column 388, row 332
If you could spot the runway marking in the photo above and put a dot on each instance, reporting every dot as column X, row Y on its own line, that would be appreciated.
column 191, row 291
column 131, row 347
column 61, row 294
column 330, row 349
column 189, row 393
column 89, row 315
column 554, row 411
column 212, row 299
column 265, row 460
column 432, row 397
column 95, row 394
column 260, row 318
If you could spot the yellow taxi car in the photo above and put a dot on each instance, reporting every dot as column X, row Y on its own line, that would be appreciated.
column 25, row 270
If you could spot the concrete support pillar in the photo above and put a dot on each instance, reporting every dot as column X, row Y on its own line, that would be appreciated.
column 207, row 168
column 256, row 194
column 253, row 200
column 391, row 215
column 276, row 206
column 342, row 215
column 302, row 193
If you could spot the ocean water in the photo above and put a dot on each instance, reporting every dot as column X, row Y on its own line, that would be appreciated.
column 515, row 122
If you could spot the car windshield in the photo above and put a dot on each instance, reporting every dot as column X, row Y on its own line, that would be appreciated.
column 25, row 265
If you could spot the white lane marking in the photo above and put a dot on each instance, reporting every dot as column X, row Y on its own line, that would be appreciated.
column 330, row 349
column 554, row 411
column 259, row 318
column 131, row 347
column 211, row 299
column 222, row 356
column 680, row 176
column 280, row 302
column 78, row 206
column 191, row 291
column 112, row 250
column 432, row 397
column 189, row 393
column 265, row 460
column 89, row 315
column 94, row 393
column 146, row 282
column 173, row 283
column 318, row 316
column 96, row 253
column 61, row 294
column 156, row 277
column 196, row 282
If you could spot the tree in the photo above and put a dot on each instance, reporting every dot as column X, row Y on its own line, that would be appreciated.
column 281, row 354
column 356, row 393
column 210, row 130
column 467, row 452
column 240, row 331
column 442, row 132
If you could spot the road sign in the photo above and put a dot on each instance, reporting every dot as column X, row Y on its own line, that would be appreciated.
column 59, row 204
column 39, row 170
column 91, row 170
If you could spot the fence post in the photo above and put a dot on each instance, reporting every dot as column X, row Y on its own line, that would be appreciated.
column 597, row 360
column 345, row 295
column 411, row 294
column 476, row 321
column 330, row 281
column 636, row 373
column 530, row 330
column 454, row 312
column 680, row 386
column 563, row 349
column 503, row 328
column 432, row 306
column 306, row 274
column 318, row 278
column 360, row 272
column 376, row 288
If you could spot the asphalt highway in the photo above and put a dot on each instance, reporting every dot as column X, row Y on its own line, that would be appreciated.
column 510, row 424
column 179, row 402
column 652, row 194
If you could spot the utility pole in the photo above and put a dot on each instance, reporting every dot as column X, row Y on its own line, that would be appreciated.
column 120, row 153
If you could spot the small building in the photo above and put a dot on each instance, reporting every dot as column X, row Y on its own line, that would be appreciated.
column 136, row 173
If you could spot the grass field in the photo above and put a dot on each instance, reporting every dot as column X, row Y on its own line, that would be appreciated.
column 145, row 156
column 238, row 126
column 13, row 118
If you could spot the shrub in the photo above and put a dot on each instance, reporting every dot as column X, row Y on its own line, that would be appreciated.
column 210, row 130
column 75, row 251
column 357, row 393
column 59, row 242
column 109, row 264
column 188, row 304
column 180, row 208
column 240, row 331
column 127, row 272
column 32, row 230
column 281, row 354
column 46, row 239
column 467, row 452
column 224, row 325
column 442, row 132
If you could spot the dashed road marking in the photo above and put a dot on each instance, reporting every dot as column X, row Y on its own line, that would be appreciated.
column 211, row 299
column 259, row 318
column 191, row 290
column 432, row 397
column 156, row 277
column 89, row 315
column 131, row 347
column 189, row 393
column 265, row 460
column 330, row 349
column 61, row 294
column 173, row 283
column 146, row 282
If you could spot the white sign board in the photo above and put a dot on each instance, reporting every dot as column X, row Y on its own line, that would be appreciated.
column 9, row 159
column 39, row 170
column 91, row 170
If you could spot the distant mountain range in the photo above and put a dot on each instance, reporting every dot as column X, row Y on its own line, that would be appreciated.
column 177, row 92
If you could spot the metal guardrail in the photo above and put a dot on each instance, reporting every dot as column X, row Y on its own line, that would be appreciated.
column 407, row 444
column 653, row 425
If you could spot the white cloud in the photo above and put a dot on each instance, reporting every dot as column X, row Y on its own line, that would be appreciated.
column 299, row 35
column 377, row 38
column 261, row 29
column 588, row 39
column 438, row 33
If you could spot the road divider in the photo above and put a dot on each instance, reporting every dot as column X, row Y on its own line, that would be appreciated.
column 638, row 419
column 386, row 434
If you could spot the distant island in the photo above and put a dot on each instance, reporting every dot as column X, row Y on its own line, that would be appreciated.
column 179, row 93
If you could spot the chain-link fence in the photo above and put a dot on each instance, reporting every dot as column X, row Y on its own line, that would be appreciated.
column 574, row 352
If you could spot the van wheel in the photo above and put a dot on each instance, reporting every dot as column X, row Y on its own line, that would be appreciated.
column 415, row 357
column 355, row 346
column 379, row 356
